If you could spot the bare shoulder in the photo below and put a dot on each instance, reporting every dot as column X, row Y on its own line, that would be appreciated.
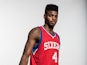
column 34, row 33
column 35, row 30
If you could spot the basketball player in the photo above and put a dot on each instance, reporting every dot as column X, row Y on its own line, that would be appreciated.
column 43, row 43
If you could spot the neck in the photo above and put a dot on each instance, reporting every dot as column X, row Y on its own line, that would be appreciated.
column 49, row 29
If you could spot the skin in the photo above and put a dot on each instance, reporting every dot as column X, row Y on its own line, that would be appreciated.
column 34, row 35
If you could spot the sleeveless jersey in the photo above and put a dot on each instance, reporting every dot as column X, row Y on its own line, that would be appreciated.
column 47, row 52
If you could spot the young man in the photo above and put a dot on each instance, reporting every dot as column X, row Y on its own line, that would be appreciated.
column 43, row 43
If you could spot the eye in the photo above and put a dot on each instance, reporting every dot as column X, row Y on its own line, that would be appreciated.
column 56, row 16
column 50, row 15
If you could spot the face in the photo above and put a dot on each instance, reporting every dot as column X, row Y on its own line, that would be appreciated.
column 51, row 18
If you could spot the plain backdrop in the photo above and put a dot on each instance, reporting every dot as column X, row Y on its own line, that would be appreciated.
column 18, row 17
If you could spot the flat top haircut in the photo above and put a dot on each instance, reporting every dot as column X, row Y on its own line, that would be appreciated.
column 51, row 7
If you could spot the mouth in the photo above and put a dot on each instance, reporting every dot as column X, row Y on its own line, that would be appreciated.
column 52, row 22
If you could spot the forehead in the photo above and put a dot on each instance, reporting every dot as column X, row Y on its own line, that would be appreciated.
column 52, row 12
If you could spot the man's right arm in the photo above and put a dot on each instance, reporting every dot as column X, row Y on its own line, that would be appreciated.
column 33, row 36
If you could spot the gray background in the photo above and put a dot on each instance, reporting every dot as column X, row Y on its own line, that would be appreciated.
column 18, row 17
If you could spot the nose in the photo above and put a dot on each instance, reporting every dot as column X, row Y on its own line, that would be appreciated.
column 53, row 17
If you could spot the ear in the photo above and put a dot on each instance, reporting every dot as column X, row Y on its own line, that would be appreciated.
column 44, row 16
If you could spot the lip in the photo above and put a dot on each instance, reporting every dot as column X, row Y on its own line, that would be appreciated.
column 52, row 22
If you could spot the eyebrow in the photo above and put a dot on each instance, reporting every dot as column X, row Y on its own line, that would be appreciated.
column 52, row 14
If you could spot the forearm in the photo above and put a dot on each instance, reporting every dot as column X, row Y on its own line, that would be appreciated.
column 24, row 60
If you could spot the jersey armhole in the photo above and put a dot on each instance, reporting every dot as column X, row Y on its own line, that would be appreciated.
column 38, row 44
column 58, row 37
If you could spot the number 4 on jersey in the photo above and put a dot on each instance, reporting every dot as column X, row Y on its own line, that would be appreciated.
column 54, row 57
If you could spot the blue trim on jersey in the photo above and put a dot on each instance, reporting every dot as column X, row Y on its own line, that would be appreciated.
column 38, row 44
column 58, row 37
column 52, row 34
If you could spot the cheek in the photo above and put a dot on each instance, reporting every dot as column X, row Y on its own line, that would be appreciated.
column 56, row 19
column 49, row 19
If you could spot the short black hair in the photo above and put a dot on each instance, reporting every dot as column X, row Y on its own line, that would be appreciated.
column 51, row 7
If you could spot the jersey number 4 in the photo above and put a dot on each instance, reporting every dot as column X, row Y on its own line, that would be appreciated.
column 54, row 57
